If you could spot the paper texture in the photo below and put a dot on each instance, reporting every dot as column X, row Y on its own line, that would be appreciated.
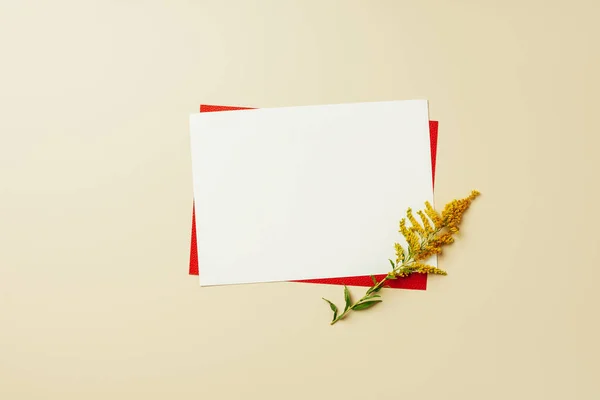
column 306, row 192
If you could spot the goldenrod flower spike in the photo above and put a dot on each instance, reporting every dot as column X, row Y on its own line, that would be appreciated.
column 400, row 254
column 453, row 211
column 429, row 241
column 433, row 215
column 428, row 269
column 426, row 224
column 416, row 227
column 410, row 236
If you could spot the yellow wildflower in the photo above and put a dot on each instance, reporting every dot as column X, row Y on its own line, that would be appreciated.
column 426, row 224
column 402, row 273
column 428, row 269
column 416, row 227
column 411, row 238
column 453, row 212
column 433, row 215
column 445, row 238
column 431, row 248
column 399, row 253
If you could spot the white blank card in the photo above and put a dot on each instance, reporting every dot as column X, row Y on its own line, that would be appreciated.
column 306, row 192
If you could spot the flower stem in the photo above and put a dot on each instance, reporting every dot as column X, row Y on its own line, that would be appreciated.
column 371, row 290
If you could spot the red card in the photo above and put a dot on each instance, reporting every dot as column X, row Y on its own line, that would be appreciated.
column 414, row 281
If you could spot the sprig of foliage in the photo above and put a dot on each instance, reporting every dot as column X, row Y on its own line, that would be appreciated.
column 424, row 239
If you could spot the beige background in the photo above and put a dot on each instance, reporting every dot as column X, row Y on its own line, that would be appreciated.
column 95, row 197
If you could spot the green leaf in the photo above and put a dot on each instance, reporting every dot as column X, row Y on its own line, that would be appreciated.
column 391, row 262
column 373, row 280
column 333, row 308
column 373, row 296
column 371, row 291
column 347, row 298
column 363, row 305
column 374, row 289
